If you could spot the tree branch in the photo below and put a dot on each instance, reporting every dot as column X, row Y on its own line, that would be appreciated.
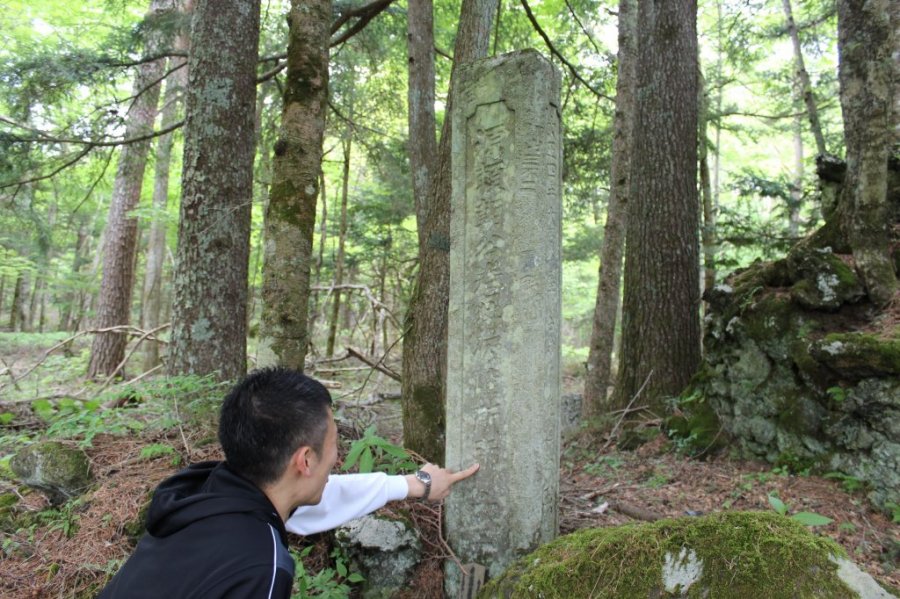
column 556, row 53
column 583, row 28
column 364, row 13
column 376, row 365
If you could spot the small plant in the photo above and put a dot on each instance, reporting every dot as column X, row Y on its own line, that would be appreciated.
column 658, row 480
column 373, row 453
column 836, row 394
column 605, row 466
column 156, row 450
column 848, row 527
column 849, row 483
column 328, row 583
column 805, row 518
column 894, row 508
column 64, row 518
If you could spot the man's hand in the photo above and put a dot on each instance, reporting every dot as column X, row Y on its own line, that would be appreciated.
column 442, row 479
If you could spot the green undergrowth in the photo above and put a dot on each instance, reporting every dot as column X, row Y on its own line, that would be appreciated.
column 744, row 554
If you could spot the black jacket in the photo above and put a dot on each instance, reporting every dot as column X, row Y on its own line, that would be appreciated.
column 210, row 533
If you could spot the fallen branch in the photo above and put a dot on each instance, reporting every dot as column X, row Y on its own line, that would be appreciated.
column 146, row 335
column 633, row 511
column 376, row 365
column 123, row 329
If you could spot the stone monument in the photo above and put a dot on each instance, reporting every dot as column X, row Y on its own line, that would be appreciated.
column 503, row 370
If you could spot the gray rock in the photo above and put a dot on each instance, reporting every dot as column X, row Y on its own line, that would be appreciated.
column 385, row 552
column 59, row 471
column 788, row 382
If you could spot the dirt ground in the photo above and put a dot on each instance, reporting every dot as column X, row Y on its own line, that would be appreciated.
column 597, row 488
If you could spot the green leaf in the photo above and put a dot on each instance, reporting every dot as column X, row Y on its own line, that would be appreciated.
column 778, row 505
column 366, row 461
column 811, row 519
column 341, row 568
column 396, row 451
column 356, row 577
column 356, row 449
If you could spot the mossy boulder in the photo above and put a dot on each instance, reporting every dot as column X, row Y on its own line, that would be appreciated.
column 733, row 555
column 800, row 373
column 59, row 471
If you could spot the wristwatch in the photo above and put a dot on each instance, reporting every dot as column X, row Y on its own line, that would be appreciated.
column 424, row 478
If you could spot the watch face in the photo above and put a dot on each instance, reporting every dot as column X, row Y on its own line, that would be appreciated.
column 423, row 476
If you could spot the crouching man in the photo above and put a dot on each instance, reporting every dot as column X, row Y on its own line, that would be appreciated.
column 219, row 529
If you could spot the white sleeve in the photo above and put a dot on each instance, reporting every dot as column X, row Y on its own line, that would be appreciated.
column 345, row 497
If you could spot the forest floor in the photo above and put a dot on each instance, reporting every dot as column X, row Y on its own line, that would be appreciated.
column 70, row 551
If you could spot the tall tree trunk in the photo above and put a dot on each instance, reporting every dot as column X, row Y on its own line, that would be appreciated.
column 114, row 307
column 661, row 321
column 599, row 367
column 866, row 43
column 425, row 340
column 708, row 237
column 803, row 80
column 342, row 240
column 323, row 231
column 422, row 145
column 796, row 201
column 36, row 304
column 151, row 301
column 291, row 216
column 209, row 318
column 17, row 310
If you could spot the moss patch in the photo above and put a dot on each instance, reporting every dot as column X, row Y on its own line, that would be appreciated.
column 858, row 355
column 743, row 554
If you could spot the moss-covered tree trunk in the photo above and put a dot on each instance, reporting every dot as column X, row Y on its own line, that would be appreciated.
column 291, row 214
column 661, row 309
column 119, row 251
column 425, row 341
column 599, row 366
column 866, row 49
column 209, row 323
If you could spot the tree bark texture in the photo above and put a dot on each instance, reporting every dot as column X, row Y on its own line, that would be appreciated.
column 708, row 227
column 599, row 367
column 425, row 340
column 151, row 300
column 209, row 323
column 342, row 242
column 422, row 145
column 120, row 247
column 865, row 48
column 803, row 82
column 661, row 311
column 17, row 309
column 291, row 214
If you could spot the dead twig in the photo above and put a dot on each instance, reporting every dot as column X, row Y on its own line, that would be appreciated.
column 147, row 334
column 376, row 365
column 625, row 412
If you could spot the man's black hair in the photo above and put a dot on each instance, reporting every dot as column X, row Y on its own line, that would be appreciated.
column 267, row 417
